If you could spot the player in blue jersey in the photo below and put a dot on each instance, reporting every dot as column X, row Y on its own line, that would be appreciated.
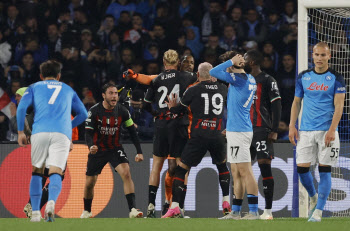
column 239, row 129
column 323, row 91
column 53, row 102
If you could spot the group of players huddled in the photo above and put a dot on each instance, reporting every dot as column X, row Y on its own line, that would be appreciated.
column 188, row 109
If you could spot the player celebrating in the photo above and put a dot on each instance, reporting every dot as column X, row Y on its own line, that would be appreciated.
column 52, row 131
column 171, row 129
column 239, row 127
column 207, row 102
column 102, row 137
column 323, row 91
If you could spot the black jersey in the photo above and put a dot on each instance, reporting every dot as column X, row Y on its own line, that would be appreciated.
column 165, row 84
column 207, row 101
column 106, row 125
column 267, row 92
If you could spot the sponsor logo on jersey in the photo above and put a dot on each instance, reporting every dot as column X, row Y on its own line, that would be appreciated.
column 307, row 78
column 108, row 131
column 315, row 87
column 209, row 123
column 328, row 78
column 341, row 89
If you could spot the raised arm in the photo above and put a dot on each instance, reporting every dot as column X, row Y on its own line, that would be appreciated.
column 140, row 78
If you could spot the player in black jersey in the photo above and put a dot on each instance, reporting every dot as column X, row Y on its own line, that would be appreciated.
column 206, row 100
column 265, row 115
column 102, row 137
column 170, row 129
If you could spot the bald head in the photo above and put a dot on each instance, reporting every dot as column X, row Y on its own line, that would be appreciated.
column 321, row 45
column 203, row 71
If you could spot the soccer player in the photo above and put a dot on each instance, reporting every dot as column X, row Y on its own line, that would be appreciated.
column 239, row 129
column 102, row 132
column 323, row 91
column 171, row 129
column 265, row 116
column 53, row 102
column 206, row 100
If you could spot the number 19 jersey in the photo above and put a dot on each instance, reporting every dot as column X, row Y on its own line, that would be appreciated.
column 53, row 102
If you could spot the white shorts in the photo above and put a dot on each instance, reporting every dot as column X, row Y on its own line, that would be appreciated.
column 50, row 148
column 311, row 147
column 238, row 147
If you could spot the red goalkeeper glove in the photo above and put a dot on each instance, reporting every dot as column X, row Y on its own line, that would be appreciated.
column 129, row 74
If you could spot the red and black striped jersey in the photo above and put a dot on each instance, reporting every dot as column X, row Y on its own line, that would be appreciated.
column 106, row 125
column 267, row 92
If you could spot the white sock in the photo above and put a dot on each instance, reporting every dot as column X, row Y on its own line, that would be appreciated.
column 226, row 198
column 317, row 213
column 268, row 211
column 174, row 205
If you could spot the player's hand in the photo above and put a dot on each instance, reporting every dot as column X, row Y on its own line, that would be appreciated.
column 93, row 149
column 238, row 60
column 223, row 132
column 172, row 101
column 293, row 132
column 272, row 137
column 22, row 139
column 139, row 158
column 330, row 136
column 71, row 146
column 130, row 74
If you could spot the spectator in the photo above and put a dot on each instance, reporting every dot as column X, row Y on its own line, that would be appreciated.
column 252, row 28
column 193, row 41
column 286, row 82
column 31, row 73
column 229, row 40
column 273, row 22
column 212, row 48
column 269, row 50
column 118, row 6
column 151, row 53
column 289, row 43
column 148, row 10
column 289, row 15
column 54, row 42
column 105, row 29
column 124, row 23
column 152, row 68
column 74, row 4
column 5, row 51
column 235, row 16
column 88, row 97
column 213, row 20
column 15, row 84
column 267, row 65
column 138, row 36
column 40, row 51
column 115, row 45
column 81, row 20
column 158, row 36
column 87, row 45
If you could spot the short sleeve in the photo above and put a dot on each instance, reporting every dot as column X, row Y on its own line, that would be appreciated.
column 339, row 85
column 273, row 90
column 150, row 94
column 299, row 90
column 90, row 121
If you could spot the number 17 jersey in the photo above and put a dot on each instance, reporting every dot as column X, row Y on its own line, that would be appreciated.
column 53, row 102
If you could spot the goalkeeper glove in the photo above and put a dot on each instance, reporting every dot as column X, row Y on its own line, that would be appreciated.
column 130, row 74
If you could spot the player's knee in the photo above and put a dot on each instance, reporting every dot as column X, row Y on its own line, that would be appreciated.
column 264, row 161
column 125, row 175
column 302, row 170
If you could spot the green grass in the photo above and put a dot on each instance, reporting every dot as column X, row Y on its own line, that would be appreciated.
column 200, row 224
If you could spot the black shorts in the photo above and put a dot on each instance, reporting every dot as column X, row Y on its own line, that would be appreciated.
column 170, row 140
column 197, row 147
column 97, row 161
column 260, row 147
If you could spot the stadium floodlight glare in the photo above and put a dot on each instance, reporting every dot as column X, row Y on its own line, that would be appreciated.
column 328, row 21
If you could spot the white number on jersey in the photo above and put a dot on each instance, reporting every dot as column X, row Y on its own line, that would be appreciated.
column 176, row 90
column 252, row 88
column 217, row 107
column 55, row 93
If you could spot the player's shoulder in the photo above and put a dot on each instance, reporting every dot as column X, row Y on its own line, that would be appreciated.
column 308, row 71
column 121, row 107
column 250, row 79
column 96, row 107
column 265, row 77
column 338, row 76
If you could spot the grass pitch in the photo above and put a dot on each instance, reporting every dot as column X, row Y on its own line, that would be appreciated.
column 193, row 224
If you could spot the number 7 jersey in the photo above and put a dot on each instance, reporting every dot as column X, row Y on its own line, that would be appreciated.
column 53, row 102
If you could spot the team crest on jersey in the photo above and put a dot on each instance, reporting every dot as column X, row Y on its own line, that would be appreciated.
column 328, row 78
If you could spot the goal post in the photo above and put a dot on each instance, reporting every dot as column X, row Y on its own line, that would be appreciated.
column 331, row 18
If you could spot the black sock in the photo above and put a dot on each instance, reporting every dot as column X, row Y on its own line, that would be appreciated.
column 131, row 200
column 178, row 184
column 183, row 196
column 224, row 178
column 44, row 196
column 268, row 184
column 152, row 193
column 87, row 204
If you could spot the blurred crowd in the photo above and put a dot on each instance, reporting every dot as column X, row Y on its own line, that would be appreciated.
column 97, row 40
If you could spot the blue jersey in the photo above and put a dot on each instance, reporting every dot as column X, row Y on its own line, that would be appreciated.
column 318, row 90
column 239, row 98
column 53, row 103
